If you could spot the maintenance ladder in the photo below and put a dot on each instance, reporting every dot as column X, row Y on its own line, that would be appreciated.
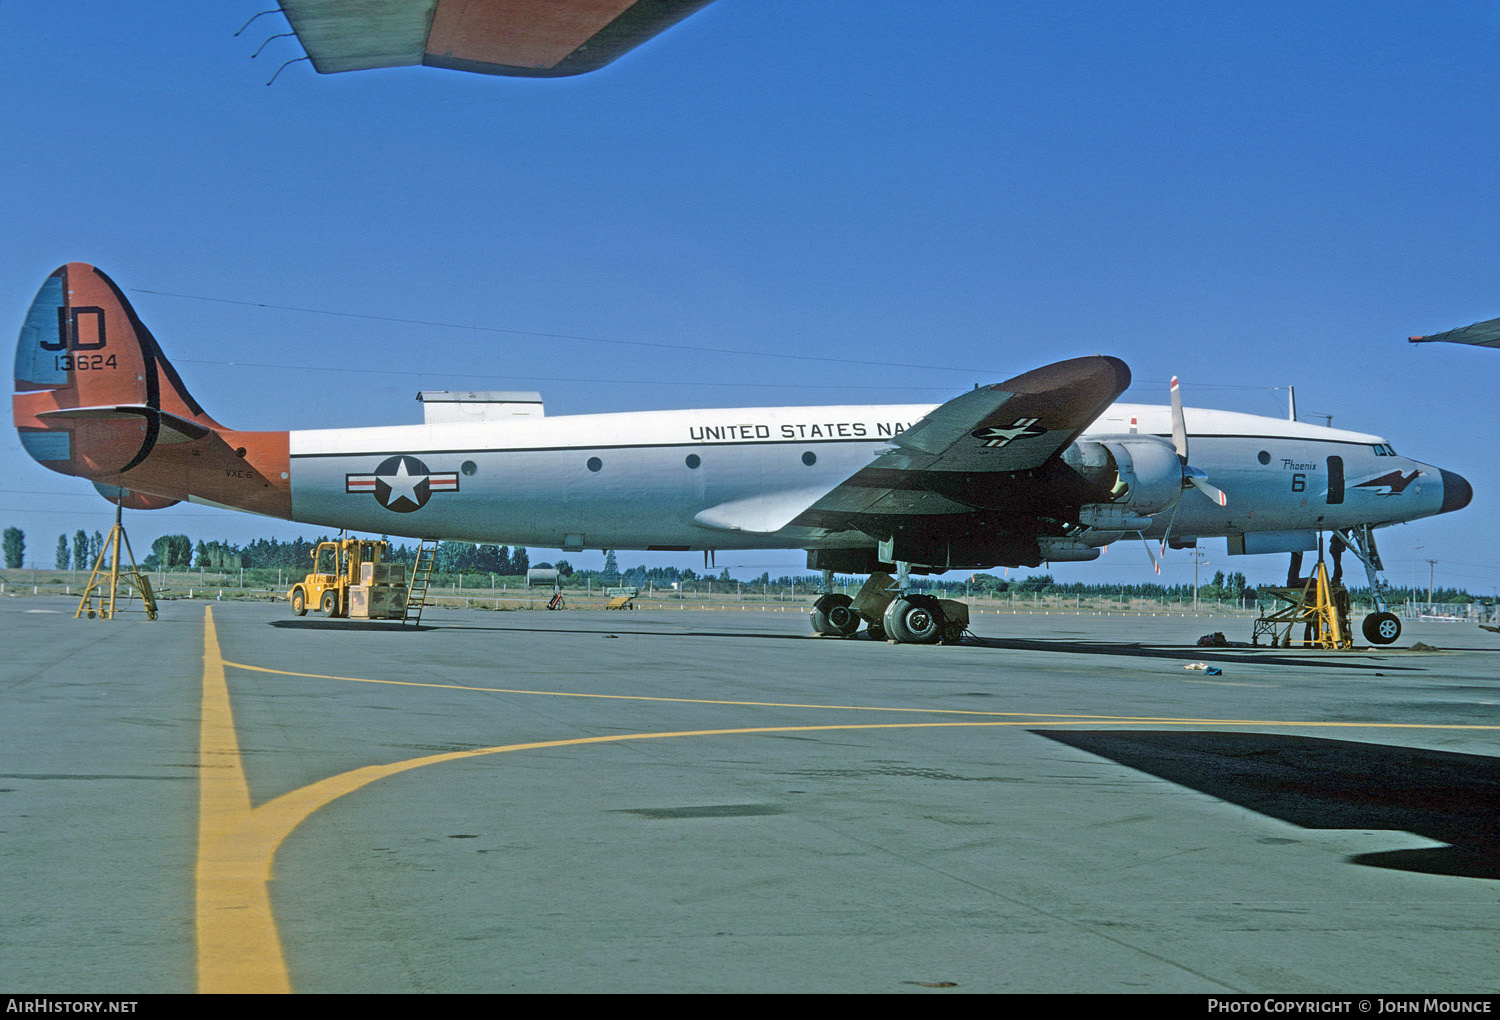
column 421, row 578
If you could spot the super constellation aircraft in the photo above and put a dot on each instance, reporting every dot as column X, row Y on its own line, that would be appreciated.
column 1044, row 467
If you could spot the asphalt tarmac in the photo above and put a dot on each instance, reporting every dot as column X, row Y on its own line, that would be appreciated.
column 233, row 799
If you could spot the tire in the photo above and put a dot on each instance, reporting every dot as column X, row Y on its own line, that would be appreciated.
column 914, row 620
column 1382, row 628
column 834, row 616
column 299, row 602
column 330, row 603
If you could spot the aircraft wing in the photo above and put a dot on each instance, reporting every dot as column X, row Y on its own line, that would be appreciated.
column 526, row 38
column 985, row 450
column 1480, row 334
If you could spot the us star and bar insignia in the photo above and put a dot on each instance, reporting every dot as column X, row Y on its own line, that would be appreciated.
column 1021, row 428
column 402, row 483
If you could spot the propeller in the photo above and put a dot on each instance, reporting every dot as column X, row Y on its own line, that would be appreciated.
column 1154, row 561
column 1190, row 475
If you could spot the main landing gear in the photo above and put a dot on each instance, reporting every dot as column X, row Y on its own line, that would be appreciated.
column 833, row 615
column 889, row 612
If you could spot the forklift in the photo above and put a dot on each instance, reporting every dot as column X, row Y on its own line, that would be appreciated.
column 350, row 579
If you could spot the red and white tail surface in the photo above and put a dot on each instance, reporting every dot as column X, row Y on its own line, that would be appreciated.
column 96, row 398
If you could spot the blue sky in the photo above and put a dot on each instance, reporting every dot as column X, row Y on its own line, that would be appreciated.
column 1244, row 195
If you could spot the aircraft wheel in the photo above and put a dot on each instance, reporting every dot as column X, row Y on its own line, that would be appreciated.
column 330, row 603
column 834, row 616
column 914, row 620
column 1382, row 628
column 299, row 602
column 876, row 632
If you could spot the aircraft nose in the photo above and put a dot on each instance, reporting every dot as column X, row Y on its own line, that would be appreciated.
column 1456, row 492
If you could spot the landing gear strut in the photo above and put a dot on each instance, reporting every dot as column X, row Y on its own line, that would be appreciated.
column 1381, row 627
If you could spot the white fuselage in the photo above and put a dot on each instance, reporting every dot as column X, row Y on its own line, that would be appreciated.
column 733, row 478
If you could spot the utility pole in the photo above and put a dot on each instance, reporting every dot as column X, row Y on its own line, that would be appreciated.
column 1197, row 560
column 1430, row 565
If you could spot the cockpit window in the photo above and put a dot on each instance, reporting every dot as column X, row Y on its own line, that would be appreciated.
column 1384, row 450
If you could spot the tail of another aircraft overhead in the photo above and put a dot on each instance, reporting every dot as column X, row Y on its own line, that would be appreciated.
column 96, row 398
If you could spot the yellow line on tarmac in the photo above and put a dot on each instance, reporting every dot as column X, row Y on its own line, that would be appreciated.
column 1073, row 717
column 238, row 948
column 697, row 701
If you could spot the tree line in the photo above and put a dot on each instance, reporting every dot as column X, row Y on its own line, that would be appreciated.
column 179, row 552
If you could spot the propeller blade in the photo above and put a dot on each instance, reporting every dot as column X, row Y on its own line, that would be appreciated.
column 1190, row 475
column 1179, row 426
column 1212, row 492
column 1154, row 562
column 1168, row 533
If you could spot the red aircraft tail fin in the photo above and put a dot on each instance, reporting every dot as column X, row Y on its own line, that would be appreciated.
column 96, row 398
column 85, row 353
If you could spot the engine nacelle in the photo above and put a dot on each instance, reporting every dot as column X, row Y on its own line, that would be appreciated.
column 1138, row 475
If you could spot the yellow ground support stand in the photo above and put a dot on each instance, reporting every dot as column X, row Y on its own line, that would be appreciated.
column 1319, row 605
column 107, row 585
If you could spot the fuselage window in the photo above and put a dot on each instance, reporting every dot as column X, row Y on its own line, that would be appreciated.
column 809, row 458
column 595, row 464
column 693, row 461
column 1263, row 457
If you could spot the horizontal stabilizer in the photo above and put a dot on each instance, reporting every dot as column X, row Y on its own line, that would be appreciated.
column 173, row 428
column 134, row 500
column 96, row 398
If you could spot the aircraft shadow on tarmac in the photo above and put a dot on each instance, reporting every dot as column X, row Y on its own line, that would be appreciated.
column 1331, row 784
column 1235, row 655
column 364, row 626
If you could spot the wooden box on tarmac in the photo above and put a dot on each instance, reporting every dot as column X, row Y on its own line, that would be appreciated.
column 377, row 602
column 382, row 573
